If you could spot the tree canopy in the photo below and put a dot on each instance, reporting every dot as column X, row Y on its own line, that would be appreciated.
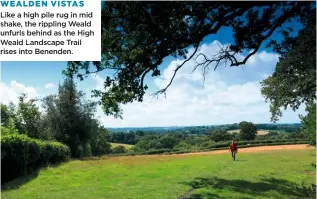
column 309, row 123
column 69, row 118
column 66, row 117
column 221, row 135
column 248, row 130
column 137, row 36
column 5, row 115
column 294, row 79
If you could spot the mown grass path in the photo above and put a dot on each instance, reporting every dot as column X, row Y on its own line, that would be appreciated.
column 273, row 173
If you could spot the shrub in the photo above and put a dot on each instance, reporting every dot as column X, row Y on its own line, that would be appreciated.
column 182, row 145
column 100, row 146
column 218, row 136
column 135, row 149
column 205, row 145
column 156, row 151
column 119, row 149
column 4, row 131
column 21, row 155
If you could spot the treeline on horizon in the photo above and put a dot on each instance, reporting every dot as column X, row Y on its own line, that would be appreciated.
column 202, row 137
column 288, row 127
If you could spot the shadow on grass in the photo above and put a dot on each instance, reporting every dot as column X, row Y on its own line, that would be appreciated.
column 204, row 195
column 16, row 183
column 21, row 180
column 284, row 188
column 239, row 160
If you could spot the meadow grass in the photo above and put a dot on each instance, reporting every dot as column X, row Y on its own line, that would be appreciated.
column 127, row 146
column 253, row 175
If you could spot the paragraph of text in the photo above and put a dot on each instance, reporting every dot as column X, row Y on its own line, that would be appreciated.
column 55, row 34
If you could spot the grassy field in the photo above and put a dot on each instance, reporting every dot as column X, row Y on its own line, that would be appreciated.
column 260, row 132
column 254, row 175
column 127, row 146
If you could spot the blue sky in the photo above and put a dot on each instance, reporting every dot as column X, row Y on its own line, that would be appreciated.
column 229, row 95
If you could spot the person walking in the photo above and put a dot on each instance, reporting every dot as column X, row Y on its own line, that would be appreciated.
column 233, row 149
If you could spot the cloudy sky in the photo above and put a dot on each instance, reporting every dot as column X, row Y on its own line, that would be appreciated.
column 228, row 95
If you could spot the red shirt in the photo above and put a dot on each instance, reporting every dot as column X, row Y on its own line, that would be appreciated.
column 233, row 147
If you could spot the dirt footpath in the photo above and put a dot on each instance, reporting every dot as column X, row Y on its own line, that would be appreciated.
column 254, row 149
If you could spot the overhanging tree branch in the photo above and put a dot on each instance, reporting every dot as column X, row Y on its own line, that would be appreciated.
column 177, row 68
column 139, row 35
column 226, row 54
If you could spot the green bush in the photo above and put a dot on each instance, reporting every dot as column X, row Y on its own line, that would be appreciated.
column 21, row 155
column 100, row 146
column 87, row 150
column 156, row 151
column 119, row 149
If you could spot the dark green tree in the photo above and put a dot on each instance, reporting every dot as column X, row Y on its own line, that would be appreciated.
column 248, row 130
column 5, row 115
column 309, row 123
column 69, row 118
column 16, row 118
column 220, row 135
column 30, row 114
column 98, row 142
column 51, row 125
column 294, row 79
column 168, row 141
column 137, row 36
column 24, row 117
column 139, row 133
column 119, row 149
column 9, row 128
column 148, row 141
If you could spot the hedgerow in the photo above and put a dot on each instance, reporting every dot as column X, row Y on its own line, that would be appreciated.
column 21, row 155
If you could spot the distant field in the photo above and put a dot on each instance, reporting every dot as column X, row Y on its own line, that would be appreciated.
column 127, row 146
column 261, row 174
column 260, row 132
column 234, row 131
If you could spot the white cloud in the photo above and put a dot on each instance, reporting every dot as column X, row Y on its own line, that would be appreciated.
column 99, row 80
column 229, row 95
column 50, row 85
column 265, row 76
column 12, row 91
